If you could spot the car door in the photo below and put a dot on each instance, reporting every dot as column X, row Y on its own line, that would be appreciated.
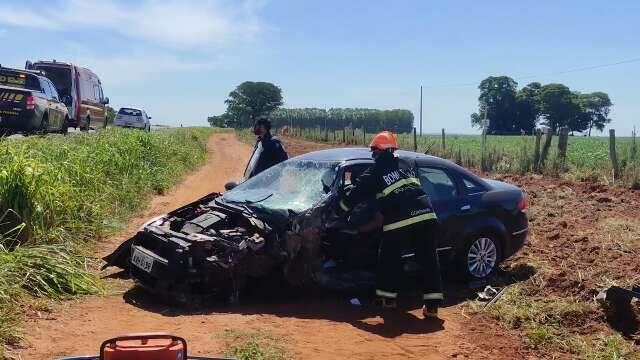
column 442, row 189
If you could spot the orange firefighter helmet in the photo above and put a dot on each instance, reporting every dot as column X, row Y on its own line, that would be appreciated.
column 384, row 140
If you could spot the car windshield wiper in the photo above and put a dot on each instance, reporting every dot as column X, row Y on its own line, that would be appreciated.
column 249, row 202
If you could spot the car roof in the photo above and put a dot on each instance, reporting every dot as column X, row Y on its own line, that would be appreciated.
column 359, row 153
column 131, row 107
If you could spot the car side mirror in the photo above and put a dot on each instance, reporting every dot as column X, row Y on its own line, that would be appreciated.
column 230, row 185
column 67, row 100
column 149, row 117
column 105, row 101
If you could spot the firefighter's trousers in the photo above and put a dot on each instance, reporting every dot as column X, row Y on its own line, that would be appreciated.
column 423, row 237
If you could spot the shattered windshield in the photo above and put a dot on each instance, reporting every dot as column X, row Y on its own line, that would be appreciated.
column 294, row 184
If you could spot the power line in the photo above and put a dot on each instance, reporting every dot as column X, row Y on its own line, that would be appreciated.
column 588, row 68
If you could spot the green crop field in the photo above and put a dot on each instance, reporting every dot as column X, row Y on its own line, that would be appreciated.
column 59, row 193
column 587, row 157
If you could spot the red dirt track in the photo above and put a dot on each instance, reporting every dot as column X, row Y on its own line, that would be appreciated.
column 314, row 328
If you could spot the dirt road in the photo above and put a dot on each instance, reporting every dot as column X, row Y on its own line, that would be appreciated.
column 313, row 328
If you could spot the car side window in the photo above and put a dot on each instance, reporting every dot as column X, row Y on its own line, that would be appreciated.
column 54, row 92
column 96, row 93
column 471, row 187
column 45, row 88
column 351, row 173
column 437, row 183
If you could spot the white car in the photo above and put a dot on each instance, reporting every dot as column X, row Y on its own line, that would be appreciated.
column 131, row 117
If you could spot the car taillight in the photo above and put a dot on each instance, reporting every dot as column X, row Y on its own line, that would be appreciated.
column 522, row 204
column 30, row 103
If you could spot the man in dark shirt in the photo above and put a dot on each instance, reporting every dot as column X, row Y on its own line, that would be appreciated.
column 268, row 150
column 407, row 215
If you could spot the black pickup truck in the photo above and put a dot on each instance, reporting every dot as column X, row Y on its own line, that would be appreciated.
column 29, row 103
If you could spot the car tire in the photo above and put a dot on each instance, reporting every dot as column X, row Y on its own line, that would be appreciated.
column 86, row 128
column 44, row 124
column 65, row 126
column 480, row 257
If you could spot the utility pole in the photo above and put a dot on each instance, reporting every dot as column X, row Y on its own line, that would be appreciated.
column 420, row 110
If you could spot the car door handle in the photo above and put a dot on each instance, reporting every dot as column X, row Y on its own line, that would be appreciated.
column 465, row 208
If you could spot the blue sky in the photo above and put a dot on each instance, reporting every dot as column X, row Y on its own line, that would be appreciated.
column 180, row 59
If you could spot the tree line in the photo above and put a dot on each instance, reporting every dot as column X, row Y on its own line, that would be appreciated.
column 373, row 120
column 252, row 99
column 512, row 111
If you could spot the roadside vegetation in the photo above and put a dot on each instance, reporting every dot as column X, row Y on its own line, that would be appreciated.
column 57, row 194
column 253, row 345
column 587, row 158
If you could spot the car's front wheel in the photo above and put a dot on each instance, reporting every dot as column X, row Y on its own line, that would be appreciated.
column 480, row 257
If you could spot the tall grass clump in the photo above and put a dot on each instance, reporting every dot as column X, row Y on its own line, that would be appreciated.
column 59, row 192
column 73, row 188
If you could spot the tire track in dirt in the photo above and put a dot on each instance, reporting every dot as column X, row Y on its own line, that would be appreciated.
column 314, row 327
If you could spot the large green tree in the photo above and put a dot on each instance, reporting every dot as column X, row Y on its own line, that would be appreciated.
column 250, row 100
column 498, row 104
column 221, row 121
column 528, row 107
column 597, row 106
column 559, row 107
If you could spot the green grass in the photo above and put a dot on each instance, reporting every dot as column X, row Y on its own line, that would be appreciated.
column 551, row 325
column 253, row 345
column 57, row 194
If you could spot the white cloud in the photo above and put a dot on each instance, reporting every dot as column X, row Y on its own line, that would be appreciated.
column 132, row 64
column 173, row 23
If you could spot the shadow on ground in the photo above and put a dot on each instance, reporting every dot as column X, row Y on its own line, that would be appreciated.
column 323, row 305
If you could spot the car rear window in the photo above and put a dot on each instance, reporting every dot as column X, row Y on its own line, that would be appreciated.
column 59, row 76
column 130, row 112
column 18, row 79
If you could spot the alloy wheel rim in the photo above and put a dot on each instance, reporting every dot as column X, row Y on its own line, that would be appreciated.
column 482, row 257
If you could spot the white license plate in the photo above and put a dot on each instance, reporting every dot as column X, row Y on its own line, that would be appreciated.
column 142, row 260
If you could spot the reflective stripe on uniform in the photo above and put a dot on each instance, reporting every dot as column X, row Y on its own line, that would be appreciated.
column 433, row 296
column 386, row 191
column 386, row 294
column 343, row 206
column 409, row 221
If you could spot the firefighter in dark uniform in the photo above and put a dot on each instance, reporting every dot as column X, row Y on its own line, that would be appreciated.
column 407, row 214
column 268, row 150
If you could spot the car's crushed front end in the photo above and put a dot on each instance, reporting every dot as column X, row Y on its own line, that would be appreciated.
column 208, row 248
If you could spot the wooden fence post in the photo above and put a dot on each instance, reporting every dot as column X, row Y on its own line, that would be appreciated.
column 344, row 135
column 443, row 142
column 415, row 140
column 483, row 143
column 634, row 146
column 536, row 151
column 545, row 148
column 613, row 154
column 364, row 136
column 562, row 142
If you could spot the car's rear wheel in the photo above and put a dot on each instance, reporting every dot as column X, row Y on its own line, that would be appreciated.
column 44, row 124
column 480, row 257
